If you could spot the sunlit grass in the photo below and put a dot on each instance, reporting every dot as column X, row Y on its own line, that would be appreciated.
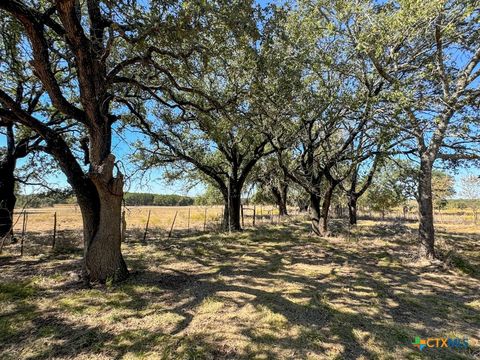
column 273, row 293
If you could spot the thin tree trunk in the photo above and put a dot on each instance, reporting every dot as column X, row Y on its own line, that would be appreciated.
column 426, row 230
column 352, row 209
column 315, row 213
column 7, row 200
column 283, row 211
column 353, row 194
column 327, row 200
column 7, row 186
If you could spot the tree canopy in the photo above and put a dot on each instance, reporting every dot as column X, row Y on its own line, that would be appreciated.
column 315, row 96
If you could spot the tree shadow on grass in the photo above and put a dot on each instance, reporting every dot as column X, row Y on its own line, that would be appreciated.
column 461, row 250
column 286, row 294
column 399, row 295
column 320, row 320
column 67, row 340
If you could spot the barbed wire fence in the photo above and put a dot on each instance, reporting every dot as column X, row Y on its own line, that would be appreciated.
column 59, row 229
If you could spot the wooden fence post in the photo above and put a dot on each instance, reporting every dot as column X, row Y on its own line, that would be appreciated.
column 24, row 229
column 124, row 227
column 3, row 242
column 146, row 226
column 254, row 214
column 205, row 220
column 173, row 224
column 54, row 229
column 241, row 212
column 188, row 220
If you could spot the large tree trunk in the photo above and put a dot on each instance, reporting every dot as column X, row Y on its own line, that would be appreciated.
column 352, row 209
column 426, row 230
column 103, row 256
column 99, row 195
column 231, row 213
column 280, row 195
column 315, row 213
column 7, row 198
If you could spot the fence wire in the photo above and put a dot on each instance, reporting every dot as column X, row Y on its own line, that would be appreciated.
column 40, row 230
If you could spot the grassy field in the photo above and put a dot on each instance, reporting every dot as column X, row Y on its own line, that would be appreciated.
column 161, row 217
column 40, row 220
column 188, row 219
column 273, row 292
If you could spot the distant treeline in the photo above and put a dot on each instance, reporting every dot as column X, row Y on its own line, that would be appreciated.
column 145, row 199
column 50, row 198
column 463, row 204
column 45, row 199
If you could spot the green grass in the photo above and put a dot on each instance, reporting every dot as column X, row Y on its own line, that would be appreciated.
column 17, row 311
column 270, row 293
column 16, row 291
column 464, row 265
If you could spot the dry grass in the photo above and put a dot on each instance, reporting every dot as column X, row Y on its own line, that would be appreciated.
column 161, row 217
column 273, row 292
column 69, row 217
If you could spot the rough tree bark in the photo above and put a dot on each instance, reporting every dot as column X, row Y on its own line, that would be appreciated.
column 103, row 256
column 7, row 197
column 327, row 200
column 233, row 203
column 352, row 209
column 280, row 195
column 315, row 213
column 99, row 195
column 426, row 230
column 7, row 185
